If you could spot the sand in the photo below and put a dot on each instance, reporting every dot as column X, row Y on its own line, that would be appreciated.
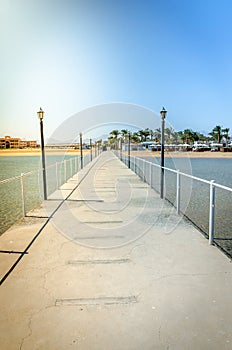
column 146, row 153
column 206, row 154
column 37, row 152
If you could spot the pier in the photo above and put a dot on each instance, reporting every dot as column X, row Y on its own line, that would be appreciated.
column 104, row 263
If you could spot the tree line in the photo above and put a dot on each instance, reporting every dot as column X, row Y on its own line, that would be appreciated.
column 188, row 136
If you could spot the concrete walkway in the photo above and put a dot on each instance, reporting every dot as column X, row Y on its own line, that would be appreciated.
column 107, row 265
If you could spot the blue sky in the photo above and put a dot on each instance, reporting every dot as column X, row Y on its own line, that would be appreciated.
column 66, row 56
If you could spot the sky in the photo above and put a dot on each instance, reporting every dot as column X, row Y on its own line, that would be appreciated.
column 69, row 55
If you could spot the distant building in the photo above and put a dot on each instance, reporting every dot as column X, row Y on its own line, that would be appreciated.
column 16, row 142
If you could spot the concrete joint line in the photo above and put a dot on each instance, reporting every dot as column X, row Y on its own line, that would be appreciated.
column 100, row 237
column 93, row 262
column 96, row 301
column 103, row 222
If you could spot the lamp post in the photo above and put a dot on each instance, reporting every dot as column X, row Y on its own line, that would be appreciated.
column 81, row 150
column 129, row 139
column 121, row 148
column 95, row 149
column 40, row 116
column 163, row 113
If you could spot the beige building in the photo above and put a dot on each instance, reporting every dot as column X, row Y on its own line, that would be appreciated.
column 16, row 142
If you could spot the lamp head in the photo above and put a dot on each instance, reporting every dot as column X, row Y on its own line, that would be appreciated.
column 40, row 114
column 163, row 113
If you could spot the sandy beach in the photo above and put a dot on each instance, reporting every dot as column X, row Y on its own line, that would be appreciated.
column 37, row 152
column 206, row 154
column 145, row 153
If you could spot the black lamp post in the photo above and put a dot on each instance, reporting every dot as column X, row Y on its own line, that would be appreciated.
column 129, row 139
column 81, row 150
column 163, row 113
column 41, row 115
column 121, row 148
column 95, row 149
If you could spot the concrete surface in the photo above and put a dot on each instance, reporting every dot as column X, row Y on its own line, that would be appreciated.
column 112, row 268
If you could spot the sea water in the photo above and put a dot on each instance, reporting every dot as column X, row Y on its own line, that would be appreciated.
column 194, row 194
column 11, row 208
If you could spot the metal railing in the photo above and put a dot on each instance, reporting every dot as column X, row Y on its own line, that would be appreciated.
column 22, row 193
column 207, row 204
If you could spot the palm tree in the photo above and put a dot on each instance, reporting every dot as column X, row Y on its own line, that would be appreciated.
column 226, row 134
column 175, row 137
column 142, row 136
column 111, row 140
column 135, row 137
column 190, row 136
column 124, row 133
column 169, row 133
column 151, row 134
column 157, row 135
column 114, row 134
column 216, row 133
column 146, row 133
column 182, row 136
column 202, row 137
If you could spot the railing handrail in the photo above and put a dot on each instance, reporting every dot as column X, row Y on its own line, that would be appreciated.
column 10, row 179
column 18, row 176
column 215, row 184
column 33, row 171
column 142, row 164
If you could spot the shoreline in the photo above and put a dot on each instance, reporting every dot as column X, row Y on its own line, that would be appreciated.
column 37, row 152
column 146, row 153
column 206, row 154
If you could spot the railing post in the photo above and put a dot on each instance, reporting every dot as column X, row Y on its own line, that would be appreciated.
column 71, row 170
column 150, row 175
column 144, row 177
column 65, row 171
column 178, row 192
column 211, row 212
column 57, row 176
column 129, row 145
column 81, row 150
column 121, row 149
column 140, row 173
column 75, row 165
column 23, row 194
column 91, row 151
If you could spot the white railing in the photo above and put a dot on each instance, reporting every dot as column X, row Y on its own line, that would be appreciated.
column 149, row 172
column 27, row 186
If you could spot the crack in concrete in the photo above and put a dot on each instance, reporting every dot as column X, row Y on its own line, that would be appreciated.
column 35, row 313
column 191, row 275
column 29, row 325
column 47, row 292
column 29, row 334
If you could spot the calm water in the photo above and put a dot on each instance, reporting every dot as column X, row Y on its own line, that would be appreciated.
column 194, row 195
column 11, row 196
